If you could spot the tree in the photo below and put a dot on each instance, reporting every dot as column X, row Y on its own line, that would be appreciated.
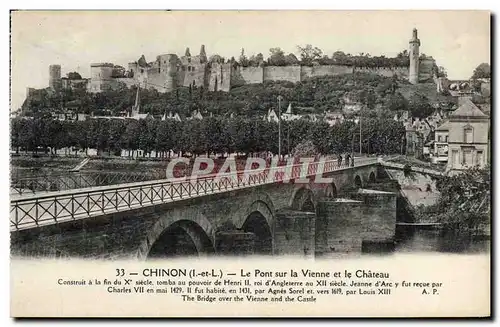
column 259, row 59
column 118, row 71
column 74, row 75
column 308, row 54
column 397, row 102
column 340, row 58
column 482, row 71
column 441, row 72
column 277, row 57
column 291, row 59
column 464, row 201
column 419, row 106
column 305, row 149
column 243, row 59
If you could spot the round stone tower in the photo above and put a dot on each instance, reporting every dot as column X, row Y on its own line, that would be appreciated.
column 414, row 57
column 55, row 77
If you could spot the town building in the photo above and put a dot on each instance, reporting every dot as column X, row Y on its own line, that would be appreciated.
column 468, row 139
column 440, row 144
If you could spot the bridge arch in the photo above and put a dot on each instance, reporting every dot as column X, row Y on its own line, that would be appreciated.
column 372, row 178
column 258, row 218
column 303, row 199
column 257, row 224
column 358, row 182
column 182, row 238
column 188, row 227
column 260, row 202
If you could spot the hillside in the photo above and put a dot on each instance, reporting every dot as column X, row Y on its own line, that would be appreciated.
column 318, row 94
column 428, row 89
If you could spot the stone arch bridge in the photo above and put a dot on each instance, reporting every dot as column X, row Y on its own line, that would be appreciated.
column 253, row 217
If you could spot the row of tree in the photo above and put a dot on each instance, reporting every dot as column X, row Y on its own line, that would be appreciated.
column 212, row 135
column 310, row 55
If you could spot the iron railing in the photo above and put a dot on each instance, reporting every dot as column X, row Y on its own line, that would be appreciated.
column 54, row 207
column 70, row 181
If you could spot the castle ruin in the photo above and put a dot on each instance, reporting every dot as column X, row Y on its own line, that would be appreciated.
column 169, row 71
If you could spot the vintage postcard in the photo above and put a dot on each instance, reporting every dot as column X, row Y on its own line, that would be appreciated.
column 250, row 163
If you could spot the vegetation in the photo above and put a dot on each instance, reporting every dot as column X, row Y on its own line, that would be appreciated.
column 482, row 71
column 464, row 202
column 315, row 95
column 213, row 135
column 310, row 55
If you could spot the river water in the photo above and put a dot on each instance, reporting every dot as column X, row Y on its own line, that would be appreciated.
column 411, row 239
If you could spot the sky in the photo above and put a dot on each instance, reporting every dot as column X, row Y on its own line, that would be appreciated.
column 457, row 40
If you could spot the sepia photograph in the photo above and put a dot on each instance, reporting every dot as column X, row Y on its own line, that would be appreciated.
column 151, row 145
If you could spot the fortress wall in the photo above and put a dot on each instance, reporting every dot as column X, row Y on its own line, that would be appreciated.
column 220, row 77
column 313, row 71
column 384, row 71
column 156, row 81
column 285, row 73
column 129, row 82
column 248, row 75
column 195, row 77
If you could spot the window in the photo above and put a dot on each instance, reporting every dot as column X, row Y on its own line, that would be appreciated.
column 479, row 158
column 142, row 70
column 454, row 158
column 439, row 138
column 159, row 70
column 468, row 137
column 446, row 138
column 467, row 158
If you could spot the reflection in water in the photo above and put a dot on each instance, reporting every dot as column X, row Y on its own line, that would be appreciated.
column 416, row 239
column 412, row 239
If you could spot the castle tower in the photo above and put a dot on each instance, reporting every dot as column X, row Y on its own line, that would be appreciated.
column 203, row 54
column 55, row 77
column 414, row 57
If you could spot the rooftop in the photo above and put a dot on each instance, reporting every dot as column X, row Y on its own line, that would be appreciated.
column 468, row 109
column 444, row 127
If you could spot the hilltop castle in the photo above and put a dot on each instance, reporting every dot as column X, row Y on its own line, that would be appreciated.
column 170, row 71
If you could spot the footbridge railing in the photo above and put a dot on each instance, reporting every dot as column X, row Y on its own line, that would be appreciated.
column 36, row 210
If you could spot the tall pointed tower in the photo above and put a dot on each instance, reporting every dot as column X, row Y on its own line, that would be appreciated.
column 414, row 57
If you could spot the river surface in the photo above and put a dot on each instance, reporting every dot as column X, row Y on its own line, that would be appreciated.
column 410, row 239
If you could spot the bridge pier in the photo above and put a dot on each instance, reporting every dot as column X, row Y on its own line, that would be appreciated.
column 338, row 227
column 234, row 243
column 294, row 233
column 379, row 212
